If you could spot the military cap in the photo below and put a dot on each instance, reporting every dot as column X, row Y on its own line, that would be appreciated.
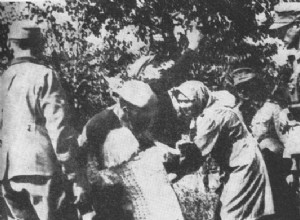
column 24, row 29
column 242, row 75
column 138, row 94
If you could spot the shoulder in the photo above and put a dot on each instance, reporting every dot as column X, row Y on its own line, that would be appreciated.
column 32, row 75
column 224, row 98
column 97, row 120
column 104, row 117
column 220, row 116
column 271, row 106
column 220, row 112
column 267, row 111
column 27, row 66
column 34, row 71
column 45, row 71
column 99, row 126
column 102, row 122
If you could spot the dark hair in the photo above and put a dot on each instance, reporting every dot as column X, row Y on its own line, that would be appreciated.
column 281, row 96
column 256, row 89
column 35, row 45
column 124, row 103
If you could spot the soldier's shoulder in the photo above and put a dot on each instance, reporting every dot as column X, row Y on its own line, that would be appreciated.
column 106, row 116
column 45, row 67
column 44, row 70
column 29, row 66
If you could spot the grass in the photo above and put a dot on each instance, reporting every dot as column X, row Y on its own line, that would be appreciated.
column 195, row 202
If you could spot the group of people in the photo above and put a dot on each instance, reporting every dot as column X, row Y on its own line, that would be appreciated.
column 124, row 162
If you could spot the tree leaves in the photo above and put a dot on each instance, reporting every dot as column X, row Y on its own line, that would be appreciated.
column 83, row 63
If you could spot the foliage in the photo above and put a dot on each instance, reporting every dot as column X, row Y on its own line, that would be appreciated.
column 195, row 202
column 83, row 64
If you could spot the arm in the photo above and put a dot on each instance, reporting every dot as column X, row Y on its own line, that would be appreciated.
column 92, row 161
column 261, row 122
column 55, row 109
column 174, row 75
column 208, row 132
column 178, row 72
column 183, row 64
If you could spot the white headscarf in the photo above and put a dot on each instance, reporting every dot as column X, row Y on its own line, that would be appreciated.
column 193, row 90
column 120, row 146
column 203, row 97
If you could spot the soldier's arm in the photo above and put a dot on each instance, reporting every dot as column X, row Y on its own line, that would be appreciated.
column 55, row 110
column 178, row 72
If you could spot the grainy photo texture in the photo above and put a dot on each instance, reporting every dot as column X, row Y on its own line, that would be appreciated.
column 150, row 110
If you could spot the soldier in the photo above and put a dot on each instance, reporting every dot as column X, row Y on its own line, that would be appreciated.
column 161, row 77
column 38, row 146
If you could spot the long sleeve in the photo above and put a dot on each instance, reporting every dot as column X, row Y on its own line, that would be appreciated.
column 174, row 75
column 208, row 131
column 181, row 67
column 55, row 111
column 261, row 122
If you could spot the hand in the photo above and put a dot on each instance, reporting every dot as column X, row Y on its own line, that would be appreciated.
column 172, row 177
column 80, row 194
column 194, row 36
column 184, row 146
column 108, row 178
column 81, row 187
column 89, row 215
column 290, row 180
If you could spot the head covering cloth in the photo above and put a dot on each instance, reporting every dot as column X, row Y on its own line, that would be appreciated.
column 138, row 94
column 195, row 91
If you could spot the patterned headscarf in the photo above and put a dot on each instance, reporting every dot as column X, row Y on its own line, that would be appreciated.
column 195, row 91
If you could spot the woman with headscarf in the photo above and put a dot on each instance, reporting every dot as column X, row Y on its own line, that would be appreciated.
column 218, row 132
column 162, row 76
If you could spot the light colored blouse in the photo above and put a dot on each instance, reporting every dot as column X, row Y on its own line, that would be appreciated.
column 246, row 194
column 266, row 127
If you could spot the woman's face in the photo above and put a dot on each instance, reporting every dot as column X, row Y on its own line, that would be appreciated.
column 187, row 106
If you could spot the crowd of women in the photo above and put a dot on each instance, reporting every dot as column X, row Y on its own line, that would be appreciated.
column 236, row 145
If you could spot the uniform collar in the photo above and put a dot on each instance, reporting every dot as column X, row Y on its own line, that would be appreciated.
column 18, row 60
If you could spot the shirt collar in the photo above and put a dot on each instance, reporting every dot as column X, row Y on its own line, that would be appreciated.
column 18, row 60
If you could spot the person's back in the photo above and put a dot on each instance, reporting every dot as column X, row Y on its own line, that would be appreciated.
column 24, row 121
column 38, row 145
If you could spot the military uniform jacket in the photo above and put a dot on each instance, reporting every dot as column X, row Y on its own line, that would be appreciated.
column 34, row 125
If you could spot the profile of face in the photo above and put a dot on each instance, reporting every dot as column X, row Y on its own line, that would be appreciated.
column 187, row 106
column 253, row 91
